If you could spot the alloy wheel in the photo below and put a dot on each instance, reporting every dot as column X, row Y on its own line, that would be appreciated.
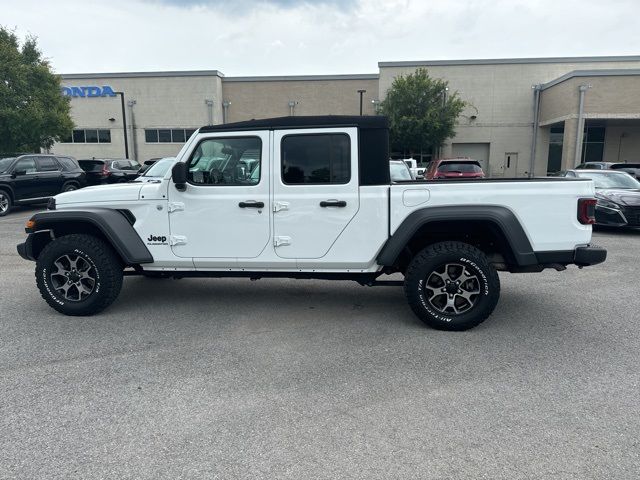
column 452, row 289
column 74, row 277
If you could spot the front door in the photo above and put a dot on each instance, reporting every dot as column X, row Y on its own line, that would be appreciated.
column 224, row 211
column 315, row 189
column 25, row 183
column 50, row 176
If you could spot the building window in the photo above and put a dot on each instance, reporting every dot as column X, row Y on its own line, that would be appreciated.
column 554, row 160
column 593, row 143
column 88, row 135
column 167, row 135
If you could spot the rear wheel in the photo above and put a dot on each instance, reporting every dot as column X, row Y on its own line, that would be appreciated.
column 5, row 203
column 78, row 274
column 69, row 187
column 452, row 286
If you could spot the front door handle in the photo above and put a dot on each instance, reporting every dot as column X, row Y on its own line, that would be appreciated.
column 333, row 203
column 251, row 204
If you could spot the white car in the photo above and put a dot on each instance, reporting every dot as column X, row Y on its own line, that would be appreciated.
column 157, row 171
column 399, row 171
column 317, row 203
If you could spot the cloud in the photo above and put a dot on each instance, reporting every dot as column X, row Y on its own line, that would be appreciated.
column 281, row 37
column 244, row 5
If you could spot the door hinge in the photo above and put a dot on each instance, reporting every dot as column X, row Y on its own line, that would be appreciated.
column 175, row 206
column 277, row 206
column 280, row 241
column 177, row 240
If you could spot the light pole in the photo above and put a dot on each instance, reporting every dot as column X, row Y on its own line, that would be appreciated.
column 124, row 124
column 361, row 92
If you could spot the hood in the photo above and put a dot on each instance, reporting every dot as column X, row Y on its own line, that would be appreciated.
column 101, row 193
column 621, row 197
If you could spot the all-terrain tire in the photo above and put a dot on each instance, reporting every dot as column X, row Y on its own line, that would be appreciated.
column 93, row 258
column 435, row 297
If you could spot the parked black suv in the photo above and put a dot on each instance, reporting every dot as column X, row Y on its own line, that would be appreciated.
column 34, row 178
column 109, row 170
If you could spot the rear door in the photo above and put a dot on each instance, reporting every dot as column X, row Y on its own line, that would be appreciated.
column 315, row 189
column 50, row 176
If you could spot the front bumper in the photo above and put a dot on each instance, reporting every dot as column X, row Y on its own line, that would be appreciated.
column 25, row 250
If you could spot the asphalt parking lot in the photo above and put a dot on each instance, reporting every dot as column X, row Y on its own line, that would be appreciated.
column 209, row 378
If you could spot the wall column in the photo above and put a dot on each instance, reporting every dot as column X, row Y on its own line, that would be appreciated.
column 569, row 143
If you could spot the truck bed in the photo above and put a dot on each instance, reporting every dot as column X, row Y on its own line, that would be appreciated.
column 545, row 207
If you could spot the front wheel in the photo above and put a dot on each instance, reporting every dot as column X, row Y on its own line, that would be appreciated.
column 452, row 286
column 5, row 203
column 78, row 274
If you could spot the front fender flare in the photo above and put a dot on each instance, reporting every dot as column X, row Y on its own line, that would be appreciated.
column 111, row 223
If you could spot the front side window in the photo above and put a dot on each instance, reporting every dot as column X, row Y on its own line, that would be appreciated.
column 26, row 165
column 316, row 159
column 226, row 161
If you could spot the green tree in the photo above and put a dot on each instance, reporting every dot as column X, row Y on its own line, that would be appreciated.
column 33, row 111
column 422, row 114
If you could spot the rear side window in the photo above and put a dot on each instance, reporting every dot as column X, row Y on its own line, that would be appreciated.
column 47, row 164
column 316, row 159
column 67, row 163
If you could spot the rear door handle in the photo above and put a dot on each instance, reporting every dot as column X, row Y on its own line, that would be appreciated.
column 333, row 203
column 251, row 204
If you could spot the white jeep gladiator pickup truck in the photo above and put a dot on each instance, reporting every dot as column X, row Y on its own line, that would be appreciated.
column 310, row 197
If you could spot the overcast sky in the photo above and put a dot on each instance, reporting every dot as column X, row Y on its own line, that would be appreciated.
column 285, row 37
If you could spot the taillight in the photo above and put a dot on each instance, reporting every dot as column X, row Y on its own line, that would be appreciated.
column 587, row 211
column 105, row 170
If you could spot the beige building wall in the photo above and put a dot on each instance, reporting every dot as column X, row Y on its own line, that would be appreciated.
column 263, row 97
column 502, row 97
column 160, row 100
column 622, row 142
column 611, row 99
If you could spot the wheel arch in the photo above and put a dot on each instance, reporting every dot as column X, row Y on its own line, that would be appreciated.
column 7, row 188
column 493, row 229
column 112, row 226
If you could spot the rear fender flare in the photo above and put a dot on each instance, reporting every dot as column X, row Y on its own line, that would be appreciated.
column 501, row 217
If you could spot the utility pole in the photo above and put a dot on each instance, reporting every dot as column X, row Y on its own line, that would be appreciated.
column 124, row 124
column 361, row 92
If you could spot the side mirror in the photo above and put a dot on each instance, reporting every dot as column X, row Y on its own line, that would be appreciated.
column 179, row 176
column 17, row 173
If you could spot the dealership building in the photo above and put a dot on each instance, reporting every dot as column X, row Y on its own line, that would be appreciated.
column 524, row 116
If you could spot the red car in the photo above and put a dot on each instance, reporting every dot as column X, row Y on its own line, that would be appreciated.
column 453, row 168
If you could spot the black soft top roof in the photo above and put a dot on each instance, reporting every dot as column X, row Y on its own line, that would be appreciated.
column 368, row 122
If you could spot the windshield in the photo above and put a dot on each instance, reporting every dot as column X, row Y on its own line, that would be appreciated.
column 399, row 171
column 159, row 168
column 611, row 179
column 460, row 167
column 5, row 163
